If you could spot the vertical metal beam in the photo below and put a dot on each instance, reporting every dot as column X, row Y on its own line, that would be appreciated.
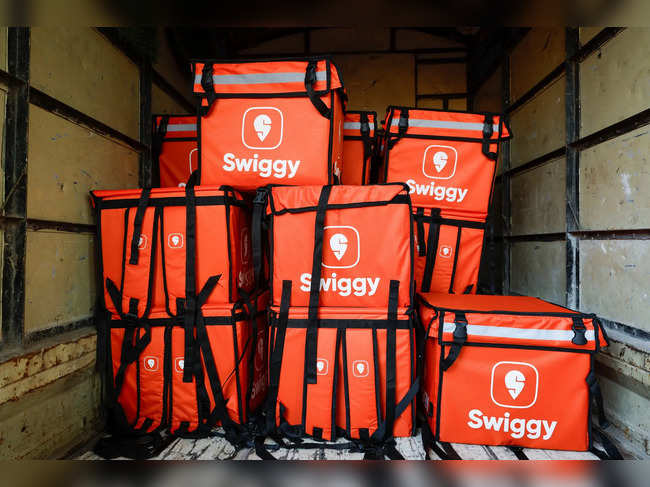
column 505, row 180
column 15, row 197
column 572, row 108
column 146, row 136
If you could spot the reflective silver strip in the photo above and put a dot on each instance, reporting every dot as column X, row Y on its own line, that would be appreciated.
column 260, row 78
column 181, row 127
column 356, row 126
column 519, row 333
column 444, row 124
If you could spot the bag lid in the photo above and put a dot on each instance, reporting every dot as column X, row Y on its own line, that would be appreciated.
column 122, row 198
column 445, row 123
column 288, row 199
column 510, row 320
column 263, row 77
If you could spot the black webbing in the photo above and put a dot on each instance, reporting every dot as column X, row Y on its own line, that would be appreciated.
column 160, row 130
column 579, row 331
column 310, row 81
column 366, row 141
column 191, row 368
column 597, row 395
column 518, row 452
column 403, row 123
column 432, row 250
column 460, row 337
column 257, row 235
column 207, row 83
column 391, row 358
column 275, row 362
column 488, row 130
column 456, row 252
column 610, row 452
column 137, row 226
column 422, row 247
column 314, row 293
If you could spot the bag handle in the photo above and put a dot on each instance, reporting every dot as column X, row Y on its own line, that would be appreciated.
column 310, row 81
column 314, row 293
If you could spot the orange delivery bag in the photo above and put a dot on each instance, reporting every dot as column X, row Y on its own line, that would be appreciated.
column 446, row 158
column 342, row 354
column 175, row 149
column 448, row 251
column 509, row 370
column 269, row 122
column 177, row 324
column 359, row 146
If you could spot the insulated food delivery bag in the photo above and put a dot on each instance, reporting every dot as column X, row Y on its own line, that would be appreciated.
column 175, row 148
column 359, row 145
column 509, row 370
column 262, row 122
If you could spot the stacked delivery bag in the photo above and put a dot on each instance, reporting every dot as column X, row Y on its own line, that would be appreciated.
column 181, row 333
column 448, row 160
column 342, row 338
column 269, row 289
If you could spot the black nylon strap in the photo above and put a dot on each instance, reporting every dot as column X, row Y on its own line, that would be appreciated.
column 518, row 452
column 432, row 250
column 403, row 124
column 190, row 282
column 207, row 83
column 314, row 293
column 488, row 130
column 597, row 395
column 456, row 252
column 579, row 331
column 310, row 81
column 137, row 225
column 422, row 247
column 367, row 144
column 460, row 337
column 391, row 359
column 611, row 451
column 257, row 237
column 275, row 363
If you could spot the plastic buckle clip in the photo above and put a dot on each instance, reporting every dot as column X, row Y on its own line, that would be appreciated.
column 579, row 331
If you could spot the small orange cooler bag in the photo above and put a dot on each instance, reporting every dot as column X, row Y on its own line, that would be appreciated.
column 175, row 148
column 276, row 121
column 448, row 250
column 362, row 235
column 446, row 158
column 509, row 370
column 359, row 145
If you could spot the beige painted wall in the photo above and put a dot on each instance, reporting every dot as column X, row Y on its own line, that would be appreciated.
column 614, row 81
column 83, row 69
column 613, row 195
column 49, row 390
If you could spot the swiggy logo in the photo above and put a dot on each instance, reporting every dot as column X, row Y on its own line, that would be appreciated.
column 439, row 162
column 142, row 242
column 262, row 128
column 445, row 251
column 150, row 363
column 514, row 384
column 175, row 241
column 360, row 368
column 341, row 247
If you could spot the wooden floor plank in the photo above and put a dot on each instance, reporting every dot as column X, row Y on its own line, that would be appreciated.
column 471, row 452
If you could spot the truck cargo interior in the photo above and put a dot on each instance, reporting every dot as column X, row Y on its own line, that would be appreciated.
column 87, row 110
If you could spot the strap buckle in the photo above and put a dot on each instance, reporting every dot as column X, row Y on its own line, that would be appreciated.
column 403, row 124
column 579, row 331
column 260, row 198
column 460, row 330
